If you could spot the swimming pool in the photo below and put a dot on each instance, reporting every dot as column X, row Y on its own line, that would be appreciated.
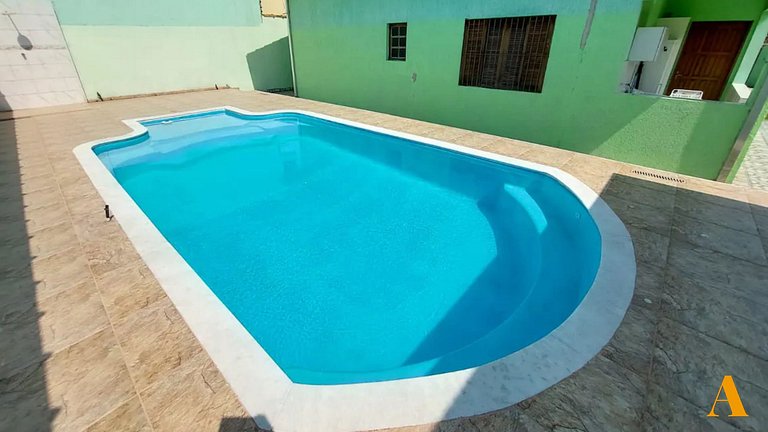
column 354, row 258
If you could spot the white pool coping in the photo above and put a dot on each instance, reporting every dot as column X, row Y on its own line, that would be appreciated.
column 279, row 404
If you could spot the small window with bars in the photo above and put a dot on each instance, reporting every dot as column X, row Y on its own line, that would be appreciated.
column 506, row 53
column 396, row 45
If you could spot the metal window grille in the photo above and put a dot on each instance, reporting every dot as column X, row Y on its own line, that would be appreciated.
column 396, row 41
column 506, row 53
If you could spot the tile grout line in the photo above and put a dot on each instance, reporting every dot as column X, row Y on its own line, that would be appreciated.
column 709, row 336
column 728, row 254
column 659, row 310
column 101, row 300
column 760, row 236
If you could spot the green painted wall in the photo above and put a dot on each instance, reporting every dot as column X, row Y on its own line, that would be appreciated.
column 752, row 50
column 340, row 51
column 715, row 10
column 148, row 46
column 159, row 12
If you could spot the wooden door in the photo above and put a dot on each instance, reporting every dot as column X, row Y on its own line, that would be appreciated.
column 708, row 56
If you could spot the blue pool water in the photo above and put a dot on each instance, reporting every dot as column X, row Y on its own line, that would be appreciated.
column 352, row 256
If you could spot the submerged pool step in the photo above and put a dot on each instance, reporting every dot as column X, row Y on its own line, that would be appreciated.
column 529, row 205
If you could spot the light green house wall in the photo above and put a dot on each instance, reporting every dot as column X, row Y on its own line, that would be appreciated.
column 145, row 46
column 340, row 56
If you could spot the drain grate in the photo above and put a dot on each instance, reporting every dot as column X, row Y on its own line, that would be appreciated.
column 658, row 176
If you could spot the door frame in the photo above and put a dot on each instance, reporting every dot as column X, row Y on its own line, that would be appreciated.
column 737, row 60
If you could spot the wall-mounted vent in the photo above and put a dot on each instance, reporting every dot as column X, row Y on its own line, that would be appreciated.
column 658, row 176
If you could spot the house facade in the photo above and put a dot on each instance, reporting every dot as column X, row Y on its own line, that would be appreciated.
column 592, row 76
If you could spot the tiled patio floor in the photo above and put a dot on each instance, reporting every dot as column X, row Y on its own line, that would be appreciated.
column 89, row 341
column 753, row 172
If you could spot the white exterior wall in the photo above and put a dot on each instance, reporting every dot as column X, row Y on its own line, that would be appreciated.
column 43, row 75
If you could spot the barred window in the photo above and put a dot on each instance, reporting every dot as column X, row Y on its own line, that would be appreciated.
column 396, row 41
column 506, row 53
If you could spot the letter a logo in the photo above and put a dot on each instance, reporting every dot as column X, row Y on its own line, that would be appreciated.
column 731, row 397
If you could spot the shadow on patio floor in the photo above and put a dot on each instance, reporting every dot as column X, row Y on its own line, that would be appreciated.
column 23, row 393
column 700, row 311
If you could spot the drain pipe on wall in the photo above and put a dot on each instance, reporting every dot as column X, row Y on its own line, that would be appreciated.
column 746, row 130
column 290, row 47
column 588, row 23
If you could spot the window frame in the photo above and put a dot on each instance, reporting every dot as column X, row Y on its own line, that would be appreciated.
column 512, row 53
column 400, row 37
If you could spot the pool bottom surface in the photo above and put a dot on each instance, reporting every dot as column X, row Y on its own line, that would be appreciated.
column 355, row 257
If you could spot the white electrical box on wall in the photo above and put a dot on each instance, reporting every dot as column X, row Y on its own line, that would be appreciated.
column 656, row 74
column 647, row 43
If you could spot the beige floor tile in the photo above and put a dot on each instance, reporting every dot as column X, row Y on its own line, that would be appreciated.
column 13, row 231
column 16, row 293
column 548, row 156
column 31, row 329
column 60, row 271
column 19, row 333
column 44, row 217
column 638, row 215
column 719, row 238
column 691, row 205
column 156, row 341
column 75, row 185
column 649, row 285
column 508, row 419
column 108, row 253
column 696, row 378
column 632, row 345
column 477, row 140
column 758, row 198
column 650, row 247
column 95, row 226
column 128, row 417
column 704, row 266
column 37, row 182
column 594, row 172
column 508, row 147
column 86, row 381
column 667, row 412
column 70, row 315
column 570, row 405
column 449, row 134
column 731, row 315
column 42, row 198
column 129, row 289
column 34, row 159
column 24, row 402
column 195, row 397
column 718, row 193
column 52, row 239
column 36, row 170
column 764, row 239
column 89, row 204
column 760, row 215
column 67, row 163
